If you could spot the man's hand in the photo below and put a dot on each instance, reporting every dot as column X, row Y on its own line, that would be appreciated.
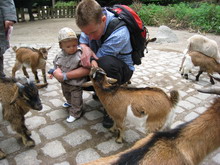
column 86, row 54
column 8, row 24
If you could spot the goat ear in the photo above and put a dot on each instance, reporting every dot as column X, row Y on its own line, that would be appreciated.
column 87, row 84
column 111, row 80
column 48, row 48
column 35, row 49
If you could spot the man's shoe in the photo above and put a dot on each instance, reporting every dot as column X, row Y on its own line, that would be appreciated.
column 66, row 105
column 95, row 97
column 107, row 121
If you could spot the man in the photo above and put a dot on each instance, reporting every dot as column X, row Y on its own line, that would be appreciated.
column 7, row 19
column 113, row 55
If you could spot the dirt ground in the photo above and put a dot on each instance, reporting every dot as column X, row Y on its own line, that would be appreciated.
column 45, row 32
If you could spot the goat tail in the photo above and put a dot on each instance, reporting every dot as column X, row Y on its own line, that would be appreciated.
column 14, row 48
column 174, row 97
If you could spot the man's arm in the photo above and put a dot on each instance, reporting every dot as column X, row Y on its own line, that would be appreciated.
column 76, row 73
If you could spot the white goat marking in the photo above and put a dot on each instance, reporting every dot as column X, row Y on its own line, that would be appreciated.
column 1, row 112
column 187, row 65
column 169, row 121
column 133, row 121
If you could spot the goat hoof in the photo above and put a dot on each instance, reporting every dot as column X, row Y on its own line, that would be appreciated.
column 28, row 132
column 119, row 140
column 2, row 155
column 30, row 143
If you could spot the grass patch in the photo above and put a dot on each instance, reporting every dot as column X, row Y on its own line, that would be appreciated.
column 204, row 17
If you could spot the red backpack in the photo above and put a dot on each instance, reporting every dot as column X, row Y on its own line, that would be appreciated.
column 138, row 32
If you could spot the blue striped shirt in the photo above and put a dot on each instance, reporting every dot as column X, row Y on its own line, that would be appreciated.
column 118, row 42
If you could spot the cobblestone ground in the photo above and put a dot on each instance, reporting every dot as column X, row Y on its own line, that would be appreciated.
column 62, row 143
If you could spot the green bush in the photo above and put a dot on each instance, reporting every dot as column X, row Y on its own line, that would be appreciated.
column 66, row 4
column 198, row 16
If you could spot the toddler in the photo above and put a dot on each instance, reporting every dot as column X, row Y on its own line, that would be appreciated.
column 69, row 59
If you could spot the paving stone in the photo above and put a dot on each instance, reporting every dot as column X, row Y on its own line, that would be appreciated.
column 86, row 156
column 109, row 146
column 56, row 102
column 62, row 163
column 57, row 114
column 77, row 137
column 191, row 116
column 52, row 131
column 93, row 115
column 9, row 145
column 54, row 149
column 185, row 104
column 35, row 122
column 28, row 158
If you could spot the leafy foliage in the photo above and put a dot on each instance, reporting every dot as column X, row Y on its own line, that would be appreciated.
column 198, row 16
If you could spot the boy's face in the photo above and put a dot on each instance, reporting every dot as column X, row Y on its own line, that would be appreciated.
column 69, row 47
column 95, row 30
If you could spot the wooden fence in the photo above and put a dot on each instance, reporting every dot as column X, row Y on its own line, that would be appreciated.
column 45, row 13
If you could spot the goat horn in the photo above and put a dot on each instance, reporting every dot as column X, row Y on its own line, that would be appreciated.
column 19, row 85
column 111, row 80
column 210, row 90
column 15, row 95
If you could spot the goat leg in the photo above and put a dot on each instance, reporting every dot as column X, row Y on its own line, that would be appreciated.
column 44, row 75
column 197, row 76
column 211, row 79
column 35, row 75
column 119, row 138
column 25, row 71
column 22, row 130
column 2, row 154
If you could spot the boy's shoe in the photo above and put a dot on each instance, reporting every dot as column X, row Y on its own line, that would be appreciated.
column 70, row 119
column 66, row 105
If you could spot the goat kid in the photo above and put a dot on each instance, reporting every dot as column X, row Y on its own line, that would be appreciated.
column 205, row 63
column 148, row 109
column 17, row 98
column 31, row 58
column 187, row 144
column 202, row 44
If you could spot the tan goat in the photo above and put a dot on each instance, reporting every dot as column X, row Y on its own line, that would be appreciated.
column 186, row 145
column 205, row 63
column 31, row 58
column 17, row 98
column 149, row 108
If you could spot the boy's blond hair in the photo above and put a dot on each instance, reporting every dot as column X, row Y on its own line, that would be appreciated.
column 88, row 11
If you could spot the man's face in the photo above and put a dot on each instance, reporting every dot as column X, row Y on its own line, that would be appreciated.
column 95, row 30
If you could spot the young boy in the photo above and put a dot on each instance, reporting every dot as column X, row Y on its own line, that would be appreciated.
column 69, row 59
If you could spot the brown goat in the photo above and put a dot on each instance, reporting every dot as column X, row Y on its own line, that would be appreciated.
column 148, row 107
column 205, row 63
column 186, row 145
column 33, row 58
column 17, row 98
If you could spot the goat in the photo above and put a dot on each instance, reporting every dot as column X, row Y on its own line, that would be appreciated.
column 188, row 144
column 17, row 98
column 146, row 107
column 205, row 63
column 204, row 45
column 33, row 58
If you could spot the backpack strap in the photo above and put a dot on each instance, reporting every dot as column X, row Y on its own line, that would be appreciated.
column 112, row 26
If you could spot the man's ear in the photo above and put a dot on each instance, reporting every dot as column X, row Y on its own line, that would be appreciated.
column 103, row 18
